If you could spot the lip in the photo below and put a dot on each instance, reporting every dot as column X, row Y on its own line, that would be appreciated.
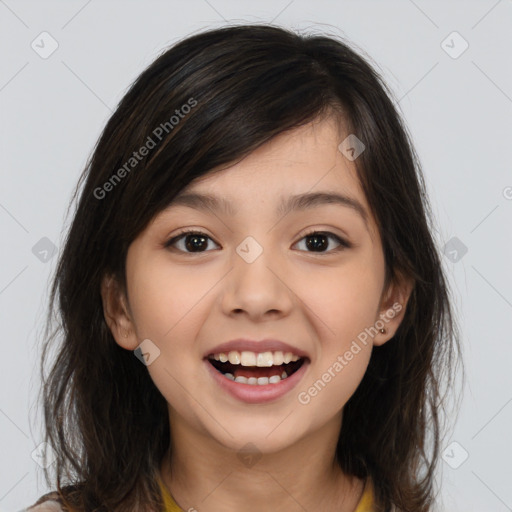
column 256, row 394
column 266, row 345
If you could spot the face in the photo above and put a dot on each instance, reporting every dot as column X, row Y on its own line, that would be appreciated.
column 309, row 278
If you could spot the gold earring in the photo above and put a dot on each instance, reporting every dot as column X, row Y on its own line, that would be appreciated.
column 125, row 334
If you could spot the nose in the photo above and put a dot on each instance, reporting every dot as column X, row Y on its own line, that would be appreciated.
column 257, row 288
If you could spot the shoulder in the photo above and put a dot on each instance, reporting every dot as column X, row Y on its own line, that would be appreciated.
column 367, row 500
column 49, row 502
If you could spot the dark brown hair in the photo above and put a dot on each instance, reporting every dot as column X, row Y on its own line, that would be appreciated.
column 243, row 85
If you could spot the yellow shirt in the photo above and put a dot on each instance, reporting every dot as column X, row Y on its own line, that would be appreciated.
column 365, row 504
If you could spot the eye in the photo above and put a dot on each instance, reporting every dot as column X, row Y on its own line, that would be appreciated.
column 190, row 241
column 318, row 241
column 197, row 241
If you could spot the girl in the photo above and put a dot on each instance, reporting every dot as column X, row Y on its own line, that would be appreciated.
column 253, row 310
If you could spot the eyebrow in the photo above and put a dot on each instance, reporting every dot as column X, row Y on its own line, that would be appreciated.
column 298, row 202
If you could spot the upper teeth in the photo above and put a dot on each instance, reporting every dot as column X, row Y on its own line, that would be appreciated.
column 246, row 358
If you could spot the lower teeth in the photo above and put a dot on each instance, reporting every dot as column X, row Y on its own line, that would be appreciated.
column 256, row 381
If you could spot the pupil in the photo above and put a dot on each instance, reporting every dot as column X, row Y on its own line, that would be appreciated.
column 192, row 246
column 315, row 244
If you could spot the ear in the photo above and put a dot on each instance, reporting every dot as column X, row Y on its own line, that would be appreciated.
column 392, row 308
column 117, row 313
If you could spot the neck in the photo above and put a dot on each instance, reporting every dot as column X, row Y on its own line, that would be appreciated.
column 202, row 474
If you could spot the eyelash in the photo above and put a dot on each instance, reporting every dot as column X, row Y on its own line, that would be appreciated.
column 343, row 243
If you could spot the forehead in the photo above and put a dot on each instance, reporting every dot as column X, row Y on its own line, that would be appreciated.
column 297, row 169
column 305, row 158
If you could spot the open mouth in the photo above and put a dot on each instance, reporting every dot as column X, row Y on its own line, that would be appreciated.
column 260, row 374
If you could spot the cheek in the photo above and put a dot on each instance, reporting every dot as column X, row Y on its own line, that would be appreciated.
column 165, row 303
column 164, row 298
column 332, row 388
column 343, row 301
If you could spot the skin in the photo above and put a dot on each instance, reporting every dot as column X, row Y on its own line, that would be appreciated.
column 188, row 302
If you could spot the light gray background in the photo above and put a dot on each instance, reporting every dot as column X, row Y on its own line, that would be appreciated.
column 457, row 109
